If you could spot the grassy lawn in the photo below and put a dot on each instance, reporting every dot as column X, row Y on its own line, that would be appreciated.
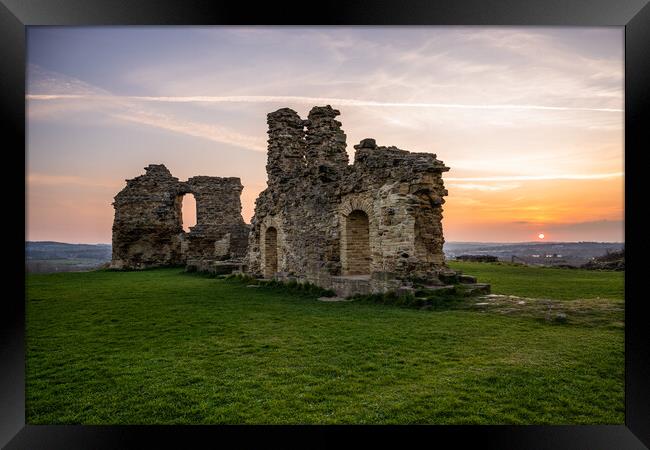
column 166, row 347
column 545, row 282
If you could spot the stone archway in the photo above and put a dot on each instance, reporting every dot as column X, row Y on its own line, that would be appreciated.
column 357, row 243
column 270, row 252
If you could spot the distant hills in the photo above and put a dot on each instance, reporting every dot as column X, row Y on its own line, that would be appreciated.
column 537, row 253
column 48, row 256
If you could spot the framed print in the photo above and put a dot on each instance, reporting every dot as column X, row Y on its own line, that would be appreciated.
column 391, row 220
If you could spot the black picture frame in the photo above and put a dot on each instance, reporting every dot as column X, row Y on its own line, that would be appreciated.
column 634, row 15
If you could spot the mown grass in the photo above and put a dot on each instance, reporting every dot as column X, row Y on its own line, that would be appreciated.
column 164, row 347
column 545, row 282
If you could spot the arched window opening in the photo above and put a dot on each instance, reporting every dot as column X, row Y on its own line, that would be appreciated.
column 188, row 211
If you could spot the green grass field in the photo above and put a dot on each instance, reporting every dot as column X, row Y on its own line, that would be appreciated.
column 545, row 282
column 165, row 347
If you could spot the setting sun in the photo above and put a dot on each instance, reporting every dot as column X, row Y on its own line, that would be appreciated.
column 540, row 235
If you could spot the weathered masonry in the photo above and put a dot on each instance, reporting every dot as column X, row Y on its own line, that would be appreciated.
column 371, row 226
column 148, row 224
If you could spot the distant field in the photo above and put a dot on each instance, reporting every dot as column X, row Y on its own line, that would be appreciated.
column 166, row 347
column 545, row 282
column 49, row 257
column 61, row 265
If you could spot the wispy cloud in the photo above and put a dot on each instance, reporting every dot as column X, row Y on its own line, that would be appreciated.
column 127, row 109
column 43, row 179
column 211, row 132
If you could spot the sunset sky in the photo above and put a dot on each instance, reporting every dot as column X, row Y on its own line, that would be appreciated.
column 530, row 120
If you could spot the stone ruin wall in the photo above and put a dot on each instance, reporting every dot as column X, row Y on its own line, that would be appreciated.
column 148, row 224
column 325, row 221
column 220, row 232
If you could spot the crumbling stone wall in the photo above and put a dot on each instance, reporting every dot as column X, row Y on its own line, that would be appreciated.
column 220, row 232
column 324, row 221
column 148, row 224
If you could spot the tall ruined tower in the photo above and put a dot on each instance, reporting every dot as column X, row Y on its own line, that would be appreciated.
column 148, row 222
column 365, row 227
column 286, row 149
column 325, row 154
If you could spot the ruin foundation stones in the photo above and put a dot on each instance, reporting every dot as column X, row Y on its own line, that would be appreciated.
column 367, row 227
column 371, row 226
column 148, row 225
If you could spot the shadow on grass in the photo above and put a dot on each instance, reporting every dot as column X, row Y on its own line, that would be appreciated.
column 146, row 269
column 421, row 299
column 292, row 286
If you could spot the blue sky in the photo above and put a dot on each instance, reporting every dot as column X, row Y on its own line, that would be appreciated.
column 527, row 118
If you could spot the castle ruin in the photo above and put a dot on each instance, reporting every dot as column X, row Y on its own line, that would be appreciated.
column 148, row 225
column 371, row 226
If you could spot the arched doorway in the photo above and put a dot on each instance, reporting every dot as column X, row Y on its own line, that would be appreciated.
column 270, row 252
column 357, row 243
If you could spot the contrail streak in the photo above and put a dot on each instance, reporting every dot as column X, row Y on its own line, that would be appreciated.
column 309, row 101
column 595, row 176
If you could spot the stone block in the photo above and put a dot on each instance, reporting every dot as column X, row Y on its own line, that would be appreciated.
column 467, row 279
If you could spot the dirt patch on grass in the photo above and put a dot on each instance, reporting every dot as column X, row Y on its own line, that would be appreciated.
column 590, row 312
